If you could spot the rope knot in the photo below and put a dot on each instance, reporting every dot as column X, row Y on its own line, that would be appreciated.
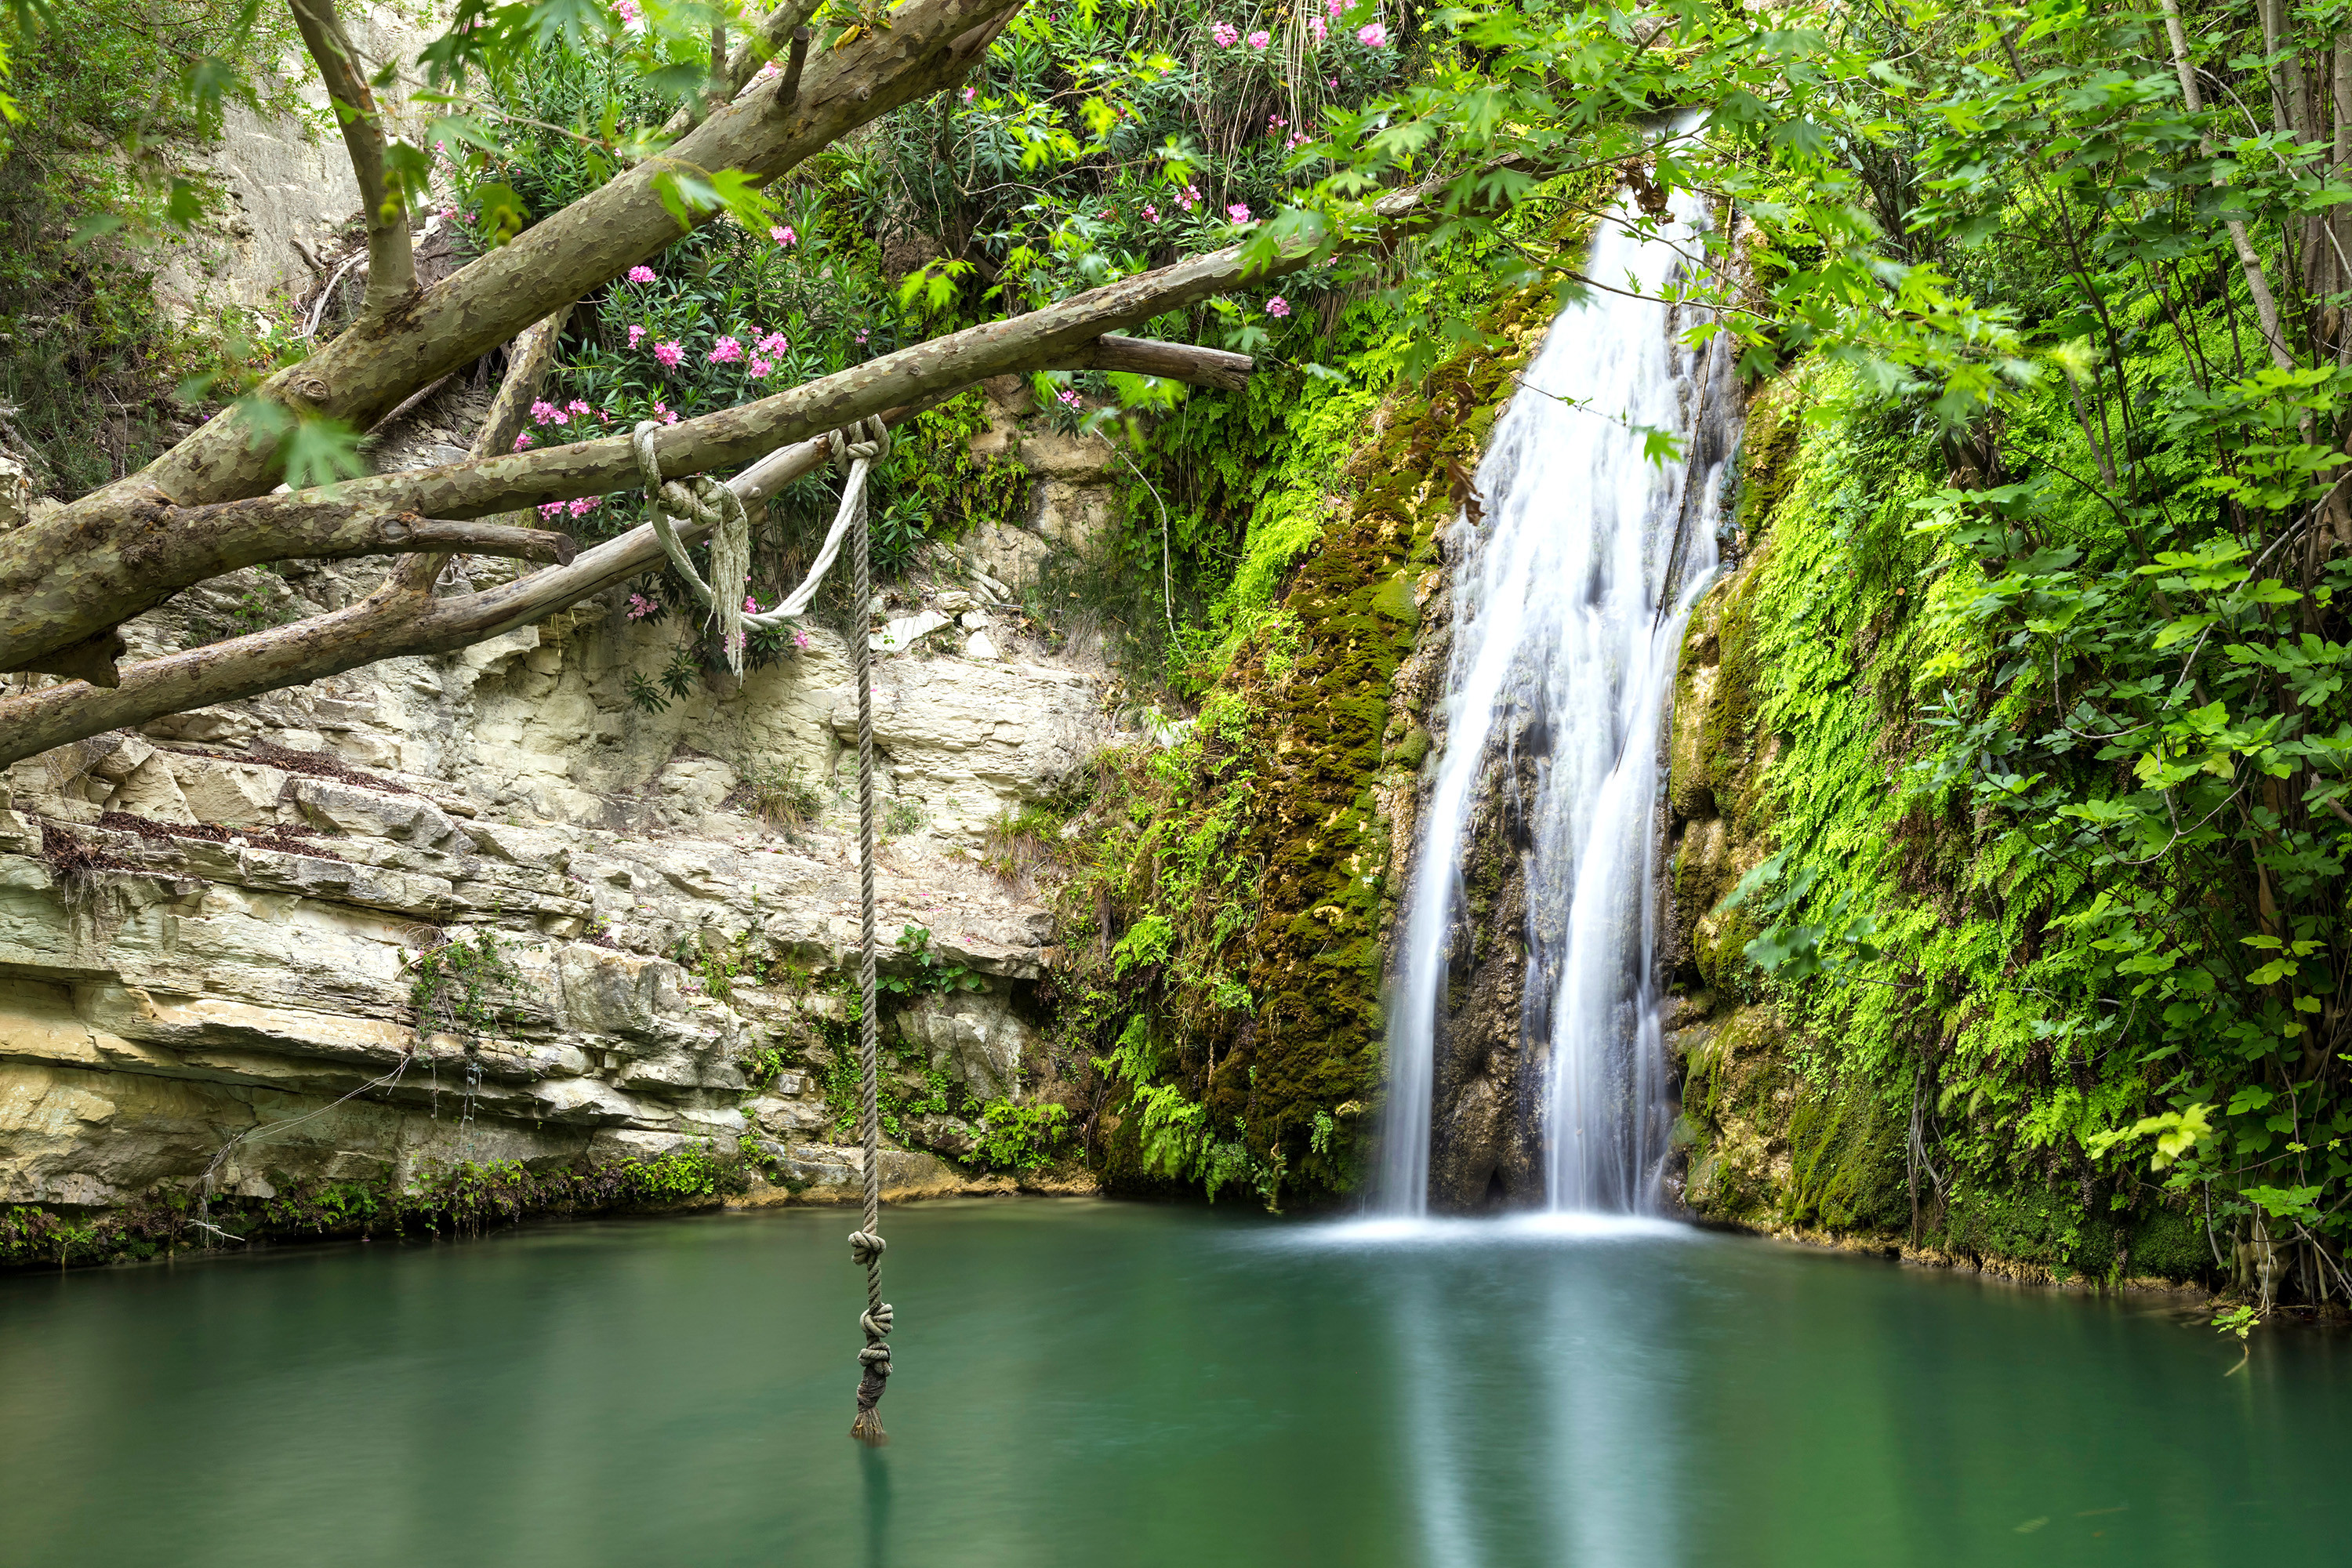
column 876, row 1323
column 860, row 440
column 863, row 1247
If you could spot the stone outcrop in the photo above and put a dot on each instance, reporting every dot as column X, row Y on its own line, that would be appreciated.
column 219, row 936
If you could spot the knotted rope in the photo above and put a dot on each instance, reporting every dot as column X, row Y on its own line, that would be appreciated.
column 866, row 1245
column 718, row 508
column 855, row 451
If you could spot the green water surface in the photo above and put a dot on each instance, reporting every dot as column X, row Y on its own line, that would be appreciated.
column 1089, row 1382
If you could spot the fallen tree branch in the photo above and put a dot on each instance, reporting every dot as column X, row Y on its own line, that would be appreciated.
column 65, row 578
column 399, row 619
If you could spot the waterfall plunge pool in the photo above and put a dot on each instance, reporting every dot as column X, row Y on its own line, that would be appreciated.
column 1084, row 1382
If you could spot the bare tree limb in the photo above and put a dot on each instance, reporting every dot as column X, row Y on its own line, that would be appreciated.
column 391, row 264
column 399, row 619
column 65, row 578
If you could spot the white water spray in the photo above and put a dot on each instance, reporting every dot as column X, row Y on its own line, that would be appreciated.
column 1568, row 604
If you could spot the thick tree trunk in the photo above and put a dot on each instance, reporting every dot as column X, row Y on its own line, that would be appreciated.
column 392, row 263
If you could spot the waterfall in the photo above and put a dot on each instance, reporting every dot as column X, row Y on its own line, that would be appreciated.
column 1569, row 598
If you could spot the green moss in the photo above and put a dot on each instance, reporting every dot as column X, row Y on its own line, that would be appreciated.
column 469, row 1197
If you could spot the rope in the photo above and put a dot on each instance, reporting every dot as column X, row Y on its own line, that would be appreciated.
column 855, row 451
column 718, row 508
column 866, row 1245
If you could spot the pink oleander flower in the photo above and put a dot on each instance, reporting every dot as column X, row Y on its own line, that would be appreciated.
column 669, row 415
column 583, row 506
column 1297, row 138
column 1277, row 307
column 522, row 441
column 627, row 10
column 641, row 274
column 1260, row 40
column 750, row 605
column 774, row 343
column 759, row 369
column 1238, row 211
column 861, row 335
column 726, row 350
column 966, row 94
column 1275, row 123
column 782, row 235
column 1316, row 30
column 1224, row 35
column 639, row 606
column 1373, row 35
column 799, row 640
column 543, row 412
column 577, row 406
column 637, row 334
column 765, row 72
column 1335, row 9
column 1332, row 82
column 1069, row 399
column 448, row 213
column 550, row 509
column 1151, row 212
column 670, row 352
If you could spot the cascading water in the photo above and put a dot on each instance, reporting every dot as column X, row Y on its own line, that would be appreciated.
column 1569, row 599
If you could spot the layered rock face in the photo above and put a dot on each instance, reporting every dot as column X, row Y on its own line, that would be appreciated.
column 488, row 907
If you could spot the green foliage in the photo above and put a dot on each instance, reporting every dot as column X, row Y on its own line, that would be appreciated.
column 1014, row 1137
column 466, row 1198
column 108, row 100
column 456, row 985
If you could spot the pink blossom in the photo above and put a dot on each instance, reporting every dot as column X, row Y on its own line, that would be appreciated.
column 543, row 412
column 782, row 235
column 1316, row 28
column 1151, row 212
column 774, row 343
column 1224, row 35
column 584, row 505
column 576, row 406
column 637, row 334
column 765, row 72
column 1258, row 40
column 551, row 509
column 1373, row 35
column 1069, row 398
column 641, row 274
column 1297, row 138
column 639, row 606
column 669, row 415
column 1275, row 123
column 966, row 94
column 1335, row 9
column 726, row 350
column 750, row 605
column 861, row 335
column 447, row 214
column 522, row 441
column 670, row 352
column 628, row 13
column 1238, row 211
column 1277, row 307
column 1332, row 82
column 799, row 640
column 759, row 369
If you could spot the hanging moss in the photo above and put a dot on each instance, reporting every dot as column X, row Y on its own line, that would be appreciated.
column 1224, row 932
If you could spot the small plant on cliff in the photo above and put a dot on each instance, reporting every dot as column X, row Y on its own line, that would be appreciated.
column 1013, row 1137
column 456, row 985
